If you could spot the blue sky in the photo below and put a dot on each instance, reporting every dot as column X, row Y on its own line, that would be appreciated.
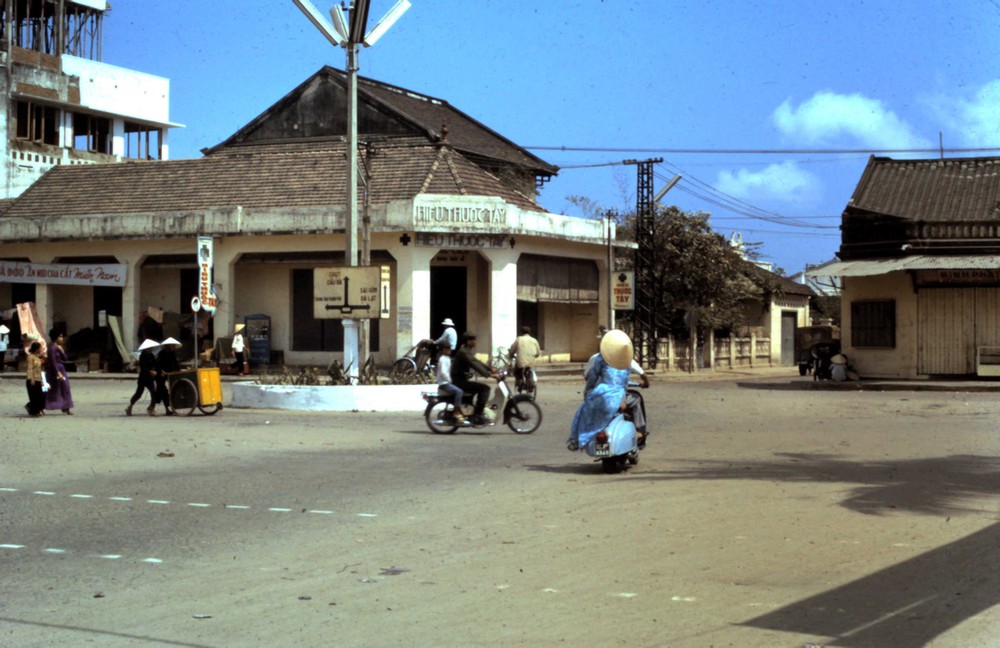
column 654, row 75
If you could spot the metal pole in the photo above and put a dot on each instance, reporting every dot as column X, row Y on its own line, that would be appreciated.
column 611, row 277
column 351, row 353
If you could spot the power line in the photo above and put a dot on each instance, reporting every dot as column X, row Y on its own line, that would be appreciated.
column 597, row 149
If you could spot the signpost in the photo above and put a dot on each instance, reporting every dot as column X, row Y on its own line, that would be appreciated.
column 358, row 292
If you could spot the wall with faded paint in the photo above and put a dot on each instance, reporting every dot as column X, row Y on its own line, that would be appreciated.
column 898, row 362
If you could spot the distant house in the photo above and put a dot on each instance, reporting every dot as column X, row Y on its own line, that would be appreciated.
column 783, row 307
column 816, row 278
column 920, row 265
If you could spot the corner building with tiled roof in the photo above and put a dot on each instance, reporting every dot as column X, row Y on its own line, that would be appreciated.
column 451, row 209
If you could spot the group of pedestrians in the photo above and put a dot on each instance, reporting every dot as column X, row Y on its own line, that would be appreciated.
column 46, row 381
column 156, row 361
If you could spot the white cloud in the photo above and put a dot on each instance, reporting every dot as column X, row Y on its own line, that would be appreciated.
column 828, row 118
column 970, row 122
column 785, row 181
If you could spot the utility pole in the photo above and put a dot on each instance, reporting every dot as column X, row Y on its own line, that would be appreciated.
column 644, row 335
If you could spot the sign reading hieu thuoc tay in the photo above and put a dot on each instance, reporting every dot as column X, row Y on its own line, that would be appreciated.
column 351, row 293
column 623, row 290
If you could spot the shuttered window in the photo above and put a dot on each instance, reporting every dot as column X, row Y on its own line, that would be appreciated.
column 873, row 323
column 556, row 279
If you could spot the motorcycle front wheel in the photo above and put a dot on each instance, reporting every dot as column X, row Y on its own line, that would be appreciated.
column 523, row 414
column 439, row 419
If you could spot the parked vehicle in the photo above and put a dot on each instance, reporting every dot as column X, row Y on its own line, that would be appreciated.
column 814, row 341
column 416, row 365
column 518, row 412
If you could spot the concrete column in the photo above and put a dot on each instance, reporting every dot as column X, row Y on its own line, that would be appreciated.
column 118, row 137
column 413, row 295
column 131, row 299
column 224, row 262
column 164, row 146
column 44, row 306
column 503, row 297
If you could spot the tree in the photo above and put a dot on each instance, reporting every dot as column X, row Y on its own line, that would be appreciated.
column 696, row 270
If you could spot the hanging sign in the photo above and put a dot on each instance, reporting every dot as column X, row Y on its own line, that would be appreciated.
column 206, row 274
column 623, row 290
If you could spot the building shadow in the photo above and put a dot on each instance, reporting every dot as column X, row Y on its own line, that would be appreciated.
column 912, row 602
column 907, row 604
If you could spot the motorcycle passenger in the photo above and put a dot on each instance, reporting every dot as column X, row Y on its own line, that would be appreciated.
column 446, row 385
column 523, row 352
column 634, row 405
column 463, row 364
column 604, row 395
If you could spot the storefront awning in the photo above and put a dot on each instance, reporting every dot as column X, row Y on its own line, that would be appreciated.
column 870, row 267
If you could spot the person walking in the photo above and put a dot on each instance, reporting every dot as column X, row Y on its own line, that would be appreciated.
column 59, row 396
column 146, row 379
column 240, row 364
column 166, row 364
column 33, row 381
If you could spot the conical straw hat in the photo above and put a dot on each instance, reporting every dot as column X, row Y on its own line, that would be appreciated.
column 148, row 344
column 616, row 349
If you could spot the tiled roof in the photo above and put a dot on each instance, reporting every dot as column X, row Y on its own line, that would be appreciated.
column 777, row 283
column 254, row 178
column 956, row 189
column 419, row 112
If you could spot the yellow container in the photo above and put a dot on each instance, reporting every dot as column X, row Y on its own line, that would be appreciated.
column 209, row 386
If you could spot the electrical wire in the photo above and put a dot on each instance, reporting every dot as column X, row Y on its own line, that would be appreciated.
column 597, row 149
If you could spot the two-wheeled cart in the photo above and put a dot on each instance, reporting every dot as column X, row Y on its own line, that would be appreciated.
column 193, row 389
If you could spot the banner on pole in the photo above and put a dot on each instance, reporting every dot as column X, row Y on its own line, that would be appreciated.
column 206, row 275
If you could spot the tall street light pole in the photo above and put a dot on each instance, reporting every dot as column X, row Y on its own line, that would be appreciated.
column 349, row 34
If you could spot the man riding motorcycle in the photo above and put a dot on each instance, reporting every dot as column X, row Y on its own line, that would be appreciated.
column 463, row 364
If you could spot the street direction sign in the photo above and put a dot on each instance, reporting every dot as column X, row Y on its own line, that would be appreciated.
column 360, row 292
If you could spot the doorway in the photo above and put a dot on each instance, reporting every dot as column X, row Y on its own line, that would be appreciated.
column 449, row 298
column 788, row 320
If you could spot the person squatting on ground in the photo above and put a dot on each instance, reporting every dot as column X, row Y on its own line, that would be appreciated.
column 146, row 379
column 605, row 391
column 524, row 351
column 33, row 381
column 464, row 363
column 59, row 396
column 445, row 385
column 166, row 363
column 240, row 364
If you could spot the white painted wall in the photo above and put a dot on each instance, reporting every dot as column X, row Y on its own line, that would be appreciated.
column 119, row 91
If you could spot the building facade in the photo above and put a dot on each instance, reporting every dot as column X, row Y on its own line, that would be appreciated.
column 61, row 105
column 920, row 268
column 448, row 204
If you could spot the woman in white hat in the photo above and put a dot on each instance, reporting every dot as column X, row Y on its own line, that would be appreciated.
column 147, row 377
column 240, row 364
column 607, row 383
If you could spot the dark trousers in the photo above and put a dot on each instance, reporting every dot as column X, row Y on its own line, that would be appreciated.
column 482, row 392
column 142, row 384
column 36, row 397
column 163, row 391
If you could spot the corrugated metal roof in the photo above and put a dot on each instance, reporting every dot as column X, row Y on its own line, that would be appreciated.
column 873, row 267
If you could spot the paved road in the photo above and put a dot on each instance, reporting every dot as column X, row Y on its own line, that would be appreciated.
column 754, row 508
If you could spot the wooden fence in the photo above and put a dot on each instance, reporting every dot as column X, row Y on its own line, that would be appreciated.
column 675, row 353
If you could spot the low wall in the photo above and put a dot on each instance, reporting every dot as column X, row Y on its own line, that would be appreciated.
column 338, row 398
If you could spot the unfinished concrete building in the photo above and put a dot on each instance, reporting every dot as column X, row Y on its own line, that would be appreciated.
column 61, row 104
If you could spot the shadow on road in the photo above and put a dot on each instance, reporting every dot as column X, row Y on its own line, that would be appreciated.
column 907, row 604
column 104, row 633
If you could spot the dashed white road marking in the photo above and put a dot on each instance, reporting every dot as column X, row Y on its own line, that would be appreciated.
column 274, row 509
column 154, row 561
column 110, row 556
column 53, row 550
column 58, row 551
column 11, row 546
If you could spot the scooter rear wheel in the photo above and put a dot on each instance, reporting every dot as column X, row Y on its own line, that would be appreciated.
column 613, row 465
column 439, row 419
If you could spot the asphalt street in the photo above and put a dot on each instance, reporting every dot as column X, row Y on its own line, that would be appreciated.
column 754, row 506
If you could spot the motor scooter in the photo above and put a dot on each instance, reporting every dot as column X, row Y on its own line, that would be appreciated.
column 617, row 445
column 520, row 412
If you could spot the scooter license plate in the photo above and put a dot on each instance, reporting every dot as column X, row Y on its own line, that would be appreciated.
column 602, row 450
